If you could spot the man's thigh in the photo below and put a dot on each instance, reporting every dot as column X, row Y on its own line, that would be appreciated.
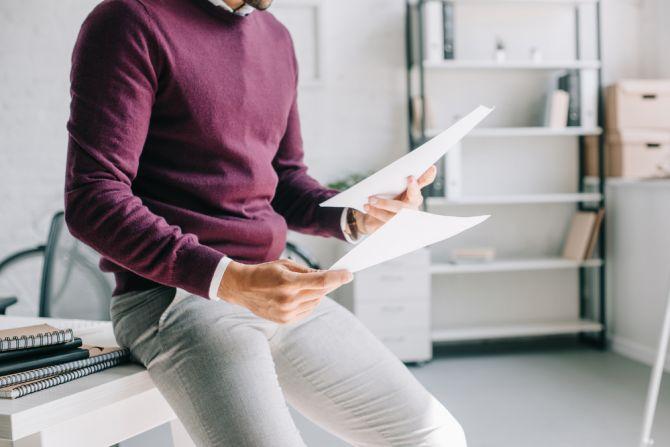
column 335, row 372
column 212, row 362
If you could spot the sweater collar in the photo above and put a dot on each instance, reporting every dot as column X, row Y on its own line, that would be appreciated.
column 244, row 10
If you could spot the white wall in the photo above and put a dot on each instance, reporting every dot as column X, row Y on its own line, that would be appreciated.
column 36, row 39
column 638, row 265
column 655, row 29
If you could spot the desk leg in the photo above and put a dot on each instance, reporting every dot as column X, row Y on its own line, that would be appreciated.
column 180, row 437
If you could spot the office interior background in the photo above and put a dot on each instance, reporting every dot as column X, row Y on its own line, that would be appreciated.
column 516, row 343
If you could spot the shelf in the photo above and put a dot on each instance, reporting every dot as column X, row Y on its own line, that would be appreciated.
column 512, row 65
column 486, row 132
column 538, row 2
column 512, row 265
column 516, row 199
column 516, row 330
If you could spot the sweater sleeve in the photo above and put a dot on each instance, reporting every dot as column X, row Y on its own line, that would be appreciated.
column 298, row 194
column 114, row 79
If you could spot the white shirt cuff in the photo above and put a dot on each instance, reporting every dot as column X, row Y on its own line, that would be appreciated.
column 217, row 277
column 344, row 225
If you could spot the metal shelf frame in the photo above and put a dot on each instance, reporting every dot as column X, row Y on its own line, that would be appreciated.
column 591, row 296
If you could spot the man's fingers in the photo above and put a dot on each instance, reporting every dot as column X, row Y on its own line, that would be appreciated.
column 312, row 294
column 295, row 267
column 413, row 192
column 387, row 204
column 327, row 279
column 379, row 213
column 427, row 177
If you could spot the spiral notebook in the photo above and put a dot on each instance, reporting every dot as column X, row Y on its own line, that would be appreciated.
column 16, row 385
column 33, row 337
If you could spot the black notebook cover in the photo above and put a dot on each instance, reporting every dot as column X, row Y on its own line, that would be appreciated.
column 40, row 351
column 55, row 358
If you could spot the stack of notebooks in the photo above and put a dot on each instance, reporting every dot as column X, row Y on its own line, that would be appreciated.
column 37, row 357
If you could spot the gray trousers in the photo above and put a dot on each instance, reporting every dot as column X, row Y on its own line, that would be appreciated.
column 228, row 374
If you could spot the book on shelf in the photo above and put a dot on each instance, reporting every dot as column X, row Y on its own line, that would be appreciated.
column 569, row 83
column 593, row 241
column 433, row 31
column 418, row 109
column 556, row 113
column 583, row 235
column 448, row 29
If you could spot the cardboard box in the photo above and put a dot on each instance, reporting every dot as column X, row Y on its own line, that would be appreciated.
column 638, row 104
column 638, row 154
column 591, row 156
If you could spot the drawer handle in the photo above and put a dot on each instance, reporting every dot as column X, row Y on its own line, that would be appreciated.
column 392, row 308
column 649, row 96
column 397, row 339
column 653, row 145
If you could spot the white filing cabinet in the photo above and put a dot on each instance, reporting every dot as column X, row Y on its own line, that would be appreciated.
column 393, row 301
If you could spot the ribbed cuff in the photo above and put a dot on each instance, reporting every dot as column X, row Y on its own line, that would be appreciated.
column 195, row 267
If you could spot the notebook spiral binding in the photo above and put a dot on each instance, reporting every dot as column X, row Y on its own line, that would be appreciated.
column 48, row 371
column 34, row 341
column 39, row 385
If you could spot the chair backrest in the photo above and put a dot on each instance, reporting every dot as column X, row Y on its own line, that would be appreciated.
column 72, row 284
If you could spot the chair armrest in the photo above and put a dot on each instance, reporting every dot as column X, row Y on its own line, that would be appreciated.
column 6, row 302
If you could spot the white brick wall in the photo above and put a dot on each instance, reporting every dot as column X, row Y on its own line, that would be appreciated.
column 36, row 39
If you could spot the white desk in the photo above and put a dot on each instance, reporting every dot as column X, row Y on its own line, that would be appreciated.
column 97, row 410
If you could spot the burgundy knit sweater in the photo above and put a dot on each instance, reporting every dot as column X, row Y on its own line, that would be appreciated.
column 185, row 142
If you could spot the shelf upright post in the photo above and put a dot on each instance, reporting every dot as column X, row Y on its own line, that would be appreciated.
column 422, row 81
column 409, row 54
column 602, row 342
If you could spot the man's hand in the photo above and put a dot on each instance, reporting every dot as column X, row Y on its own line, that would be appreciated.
column 280, row 291
column 379, row 210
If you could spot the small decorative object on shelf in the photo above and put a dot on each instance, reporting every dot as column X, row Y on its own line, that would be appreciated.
column 500, row 55
column 473, row 255
column 535, row 54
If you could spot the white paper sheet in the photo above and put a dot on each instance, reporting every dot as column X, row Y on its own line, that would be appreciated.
column 407, row 231
column 392, row 180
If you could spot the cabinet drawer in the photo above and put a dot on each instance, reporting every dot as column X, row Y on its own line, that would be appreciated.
column 389, row 285
column 384, row 315
column 409, row 346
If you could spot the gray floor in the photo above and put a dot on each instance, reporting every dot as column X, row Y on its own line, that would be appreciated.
column 551, row 398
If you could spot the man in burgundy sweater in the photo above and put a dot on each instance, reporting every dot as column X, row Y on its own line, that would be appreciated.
column 185, row 169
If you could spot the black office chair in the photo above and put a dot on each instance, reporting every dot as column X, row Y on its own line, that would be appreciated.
column 71, row 284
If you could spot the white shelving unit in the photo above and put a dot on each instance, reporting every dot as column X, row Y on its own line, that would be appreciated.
column 456, row 287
